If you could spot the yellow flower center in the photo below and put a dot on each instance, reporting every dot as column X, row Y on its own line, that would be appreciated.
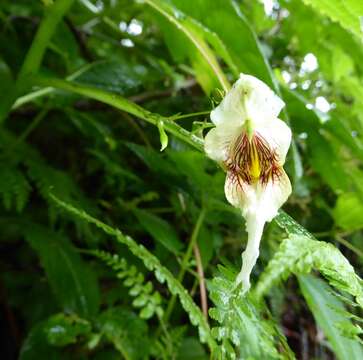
column 251, row 160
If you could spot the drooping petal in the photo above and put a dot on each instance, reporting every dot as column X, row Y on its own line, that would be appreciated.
column 262, row 104
column 254, row 227
column 218, row 140
column 259, row 204
column 262, row 200
column 278, row 136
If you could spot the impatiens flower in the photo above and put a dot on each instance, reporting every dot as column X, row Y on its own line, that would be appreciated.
column 251, row 143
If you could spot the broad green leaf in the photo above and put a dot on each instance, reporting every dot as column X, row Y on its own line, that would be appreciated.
column 120, row 77
column 160, row 230
column 348, row 211
column 233, row 29
column 197, row 35
column 324, row 306
column 346, row 12
column 71, row 280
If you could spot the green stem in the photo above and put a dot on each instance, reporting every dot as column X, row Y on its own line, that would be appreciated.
column 185, row 261
column 348, row 245
column 35, row 53
column 123, row 104
column 184, row 116
column 20, row 101
column 42, row 37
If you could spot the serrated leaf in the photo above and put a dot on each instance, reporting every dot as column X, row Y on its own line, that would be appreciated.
column 322, row 304
column 300, row 254
column 346, row 12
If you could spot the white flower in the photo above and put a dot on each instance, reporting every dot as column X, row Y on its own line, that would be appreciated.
column 251, row 143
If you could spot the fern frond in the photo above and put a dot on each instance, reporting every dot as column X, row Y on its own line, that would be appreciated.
column 152, row 263
column 299, row 254
column 146, row 298
column 242, row 331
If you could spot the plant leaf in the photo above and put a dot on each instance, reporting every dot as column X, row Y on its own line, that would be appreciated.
column 323, row 305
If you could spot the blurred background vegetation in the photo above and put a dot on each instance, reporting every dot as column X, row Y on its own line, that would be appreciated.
column 90, row 90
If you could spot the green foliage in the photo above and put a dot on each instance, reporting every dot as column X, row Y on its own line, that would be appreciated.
column 36, row 346
column 325, row 307
column 242, row 331
column 160, row 230
column 146, row 298
column 345, row 12
column 126, row 331
column 153, row 264
column 62, row 330
column 300, row 254
column 14, row 188
column 103, row 107
column 348, row 211
column 72, row 281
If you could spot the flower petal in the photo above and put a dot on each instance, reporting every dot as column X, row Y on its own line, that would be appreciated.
column 231, row 110
column 261, row 201
column 267, row 199
column 278, row 136
column 249, row 98
column 218, row 140
column 261, row 102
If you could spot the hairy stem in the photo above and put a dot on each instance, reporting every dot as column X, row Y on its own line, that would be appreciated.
column 121, row 103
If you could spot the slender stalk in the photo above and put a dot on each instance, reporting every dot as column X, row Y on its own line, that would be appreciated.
column 185, row 116
column 348, row 245
column 185, row 261
column 121, row 103
column 202, row 288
